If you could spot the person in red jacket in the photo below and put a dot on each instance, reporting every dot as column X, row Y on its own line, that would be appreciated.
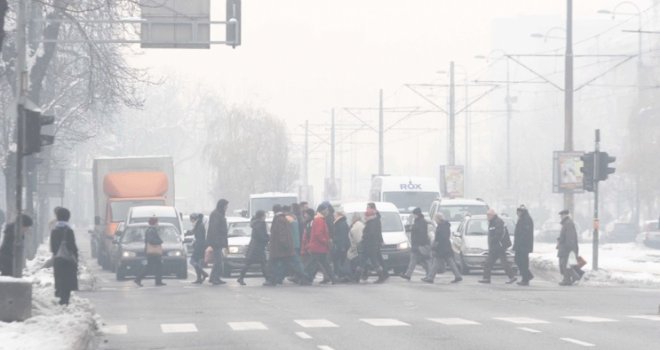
column 318, row 247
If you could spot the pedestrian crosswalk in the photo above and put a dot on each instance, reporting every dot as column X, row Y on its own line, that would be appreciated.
column 522, row 321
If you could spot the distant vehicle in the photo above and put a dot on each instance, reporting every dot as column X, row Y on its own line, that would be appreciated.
column 455, row 210
column 470, row 242
column 405, row 192
column 266, row 201
column 164, row 214
column 128, row 255
column 239, row 234
column 549, row 232
column 123, row 183
column 651, row 239
column 396, row 246
column 620, row 232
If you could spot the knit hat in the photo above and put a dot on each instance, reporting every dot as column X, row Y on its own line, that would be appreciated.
column 417, row 211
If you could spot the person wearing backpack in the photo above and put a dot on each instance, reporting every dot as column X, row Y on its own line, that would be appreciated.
column 65, row 256
column 153, row 247
column 498, row 242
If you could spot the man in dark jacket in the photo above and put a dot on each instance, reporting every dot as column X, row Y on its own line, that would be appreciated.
column 420, row 244
column 372, row 240
column 443, row 253
column 567, row 243
column 7, row 247
column 281, row 249
column 497, row 246
column 340, row 245
column 524, row 244
column 216, row 238
column 256, row 251
column 65, row 271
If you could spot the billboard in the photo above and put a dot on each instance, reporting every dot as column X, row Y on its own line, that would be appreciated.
column 452, row 181
column 567, row 177
column 175, row 24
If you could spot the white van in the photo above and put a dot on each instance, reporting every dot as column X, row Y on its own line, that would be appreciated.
column 266, row 201
column 405, row 192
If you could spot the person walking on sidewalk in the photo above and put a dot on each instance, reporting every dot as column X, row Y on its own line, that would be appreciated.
column 65, row 256
column 567, row 244
column 498, row 242
column 197, row 258
column 442, row 251
column 153, row 247
column 420, row 245
column 256, row 251
column 217, row 239
column 523, row 244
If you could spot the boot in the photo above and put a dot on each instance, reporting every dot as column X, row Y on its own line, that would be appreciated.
column 240, row 281
column 382, row 276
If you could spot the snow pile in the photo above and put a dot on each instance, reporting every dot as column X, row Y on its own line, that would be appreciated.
column 629, row 264
column 53, row 326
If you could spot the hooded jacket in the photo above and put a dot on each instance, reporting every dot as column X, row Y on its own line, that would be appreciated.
column 419, row 233
column 319, row 239
column 442, row 240
column 524, row 234
column 258, row 241
column 217, row 233
column 340, row 240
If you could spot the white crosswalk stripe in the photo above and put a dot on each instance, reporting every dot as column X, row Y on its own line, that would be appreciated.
column 247, row 326
column 384, row 322
column 178, row 328
column 646, row 317
column 303, row 335
column 115, row 329
column 589, row 319
column 454, row 321
column 577, row 342
column 318, row 323
column 521, row 320
column 529, row 330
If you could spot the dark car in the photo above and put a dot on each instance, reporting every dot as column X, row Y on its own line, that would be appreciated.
column 128, row 253
column 621, row 233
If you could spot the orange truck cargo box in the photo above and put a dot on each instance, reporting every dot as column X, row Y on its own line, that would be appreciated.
column 135, row 184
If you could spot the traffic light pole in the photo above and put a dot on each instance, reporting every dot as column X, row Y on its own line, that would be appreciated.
column 596, row 222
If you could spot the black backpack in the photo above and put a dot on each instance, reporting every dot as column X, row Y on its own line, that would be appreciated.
column 506, row 239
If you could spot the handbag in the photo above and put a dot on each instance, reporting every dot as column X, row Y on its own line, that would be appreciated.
column 208, row 255
column 154, row 250
column 64, row 254
column 581, row 262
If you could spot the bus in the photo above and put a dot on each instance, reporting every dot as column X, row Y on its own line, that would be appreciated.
column 405, row 192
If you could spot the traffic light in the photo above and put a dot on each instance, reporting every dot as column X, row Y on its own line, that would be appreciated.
column 34, row 140
column 233, row 15
column 604, row 169
column 587, row 170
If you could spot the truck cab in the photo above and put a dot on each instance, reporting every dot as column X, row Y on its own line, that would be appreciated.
column 405, row 192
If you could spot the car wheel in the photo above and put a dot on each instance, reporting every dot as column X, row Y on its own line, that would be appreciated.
column 462, row 266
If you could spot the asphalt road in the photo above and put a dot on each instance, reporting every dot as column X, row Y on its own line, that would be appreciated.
column 395, row 315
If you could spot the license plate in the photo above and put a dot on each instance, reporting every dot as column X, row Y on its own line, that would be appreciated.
column 385, row 257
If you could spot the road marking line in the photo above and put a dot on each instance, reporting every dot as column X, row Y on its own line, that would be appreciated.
column 453, row 321
column 589, row 319
column 303, row 335
column 108, row 288
column 247, row 326
column 325, row 347
column 530, row 330
column 577, row 342
column 521, row 320
column 320, row 323
column 178, row 328
column 646, row 317
column 383, row 322
column 115, row 329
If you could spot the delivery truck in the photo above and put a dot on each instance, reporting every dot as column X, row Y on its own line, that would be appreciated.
column 123, row 183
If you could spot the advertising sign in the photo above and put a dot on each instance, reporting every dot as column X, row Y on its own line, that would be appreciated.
column 567, row 177
column 452, row 181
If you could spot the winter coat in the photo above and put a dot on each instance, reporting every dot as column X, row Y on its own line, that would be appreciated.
column 66, row 273
column 330, row 223
column 419, row 235
column 340, row 241
column 281, row 242
column 295, row 231
column 7, row 251
column 524, row 234
column 199, row 232
column 319, row 239
column 372, row 237
column 305, row 238
column 256, row 251
column 216, row 236
column 355, row 237
column 495, row 233
column 151, row 237
column 442, row 241
column 568, row 241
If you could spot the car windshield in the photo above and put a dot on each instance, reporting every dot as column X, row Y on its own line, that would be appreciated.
column 239, row 229
column 163, row 220
column 136, row 234
column 390, row 221
column 266, row 204
column 458, row 212
column 477, row 228
column 119, row 209
column 407, row 201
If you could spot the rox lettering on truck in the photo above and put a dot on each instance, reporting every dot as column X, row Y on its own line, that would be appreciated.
column 410, row 186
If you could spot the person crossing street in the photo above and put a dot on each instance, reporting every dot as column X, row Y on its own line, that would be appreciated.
column 498, row 242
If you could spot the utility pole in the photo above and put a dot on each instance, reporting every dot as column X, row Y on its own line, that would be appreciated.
column 332, row 146
column 467, row 138
column 21, row 86
column 596, row 222
column 508, row 125
column 568, row 94
column 381, row 132
column 451, row 159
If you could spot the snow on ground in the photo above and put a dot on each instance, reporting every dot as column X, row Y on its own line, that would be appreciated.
column 52, row 326
column 629, row 264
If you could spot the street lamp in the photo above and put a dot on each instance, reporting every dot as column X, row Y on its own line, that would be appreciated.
column 547, row 35
column 614, row 12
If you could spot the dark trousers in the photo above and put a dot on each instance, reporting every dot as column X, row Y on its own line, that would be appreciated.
column 439, row 261
column 522, row 260
column 371, row 258
column 280, row 266
column 218, row 265
column 249, row 263
column 319, row 260
column 155, row 266
column 495, row 254
column 340, row 263
column 197, row 264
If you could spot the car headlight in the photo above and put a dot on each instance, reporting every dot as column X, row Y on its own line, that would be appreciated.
column 403, row 245
column 175, row 253
column 128, row 254
column 234, row 250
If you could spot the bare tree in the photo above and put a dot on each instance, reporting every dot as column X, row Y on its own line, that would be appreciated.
column 3, row 11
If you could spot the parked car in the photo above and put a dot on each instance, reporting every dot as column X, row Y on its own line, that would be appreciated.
column 128, row 253
column 239, row 234
column 650, row 235
column 470, row 242
column 549, row 232
column 455, row 210
column 620, row 232
column 396, row 246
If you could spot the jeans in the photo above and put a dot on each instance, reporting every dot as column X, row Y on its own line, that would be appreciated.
column 495, row 254
column 448, row 260
column 417, row 258
column 522, row 260
column 218, row 265
column 155, row 266
column 340, row 262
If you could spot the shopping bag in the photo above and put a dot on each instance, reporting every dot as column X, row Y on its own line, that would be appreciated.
column 581, row 262
column 572, row 260
column 154, row 249
column 208, row 255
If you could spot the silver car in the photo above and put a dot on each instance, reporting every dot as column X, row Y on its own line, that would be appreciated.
column 470, row 242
